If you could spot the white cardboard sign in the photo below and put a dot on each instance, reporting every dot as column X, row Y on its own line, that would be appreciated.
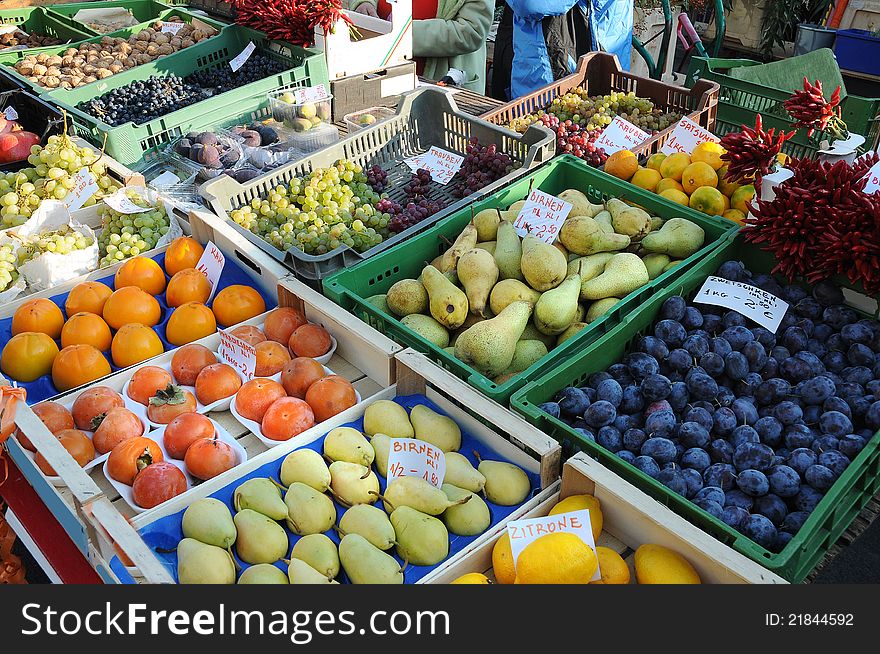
column 410, row 457
column 123, row 204
column 542, row 215
column 873, row 176
column 211, row 265
column 242, row 57
column 172, row 28
column 524, row 532
column 10, row 113
column 238, row 354
column 764, row 308
column 85, row 186
column 620, row 135
column 311, row 94
column 441, row 164
column 686, row 136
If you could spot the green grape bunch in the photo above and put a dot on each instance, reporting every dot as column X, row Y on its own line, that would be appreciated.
column 8, row 267
column 127, row 235
column 63, row 240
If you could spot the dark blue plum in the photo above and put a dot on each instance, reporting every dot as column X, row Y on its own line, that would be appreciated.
column 679, row 360
column 736, row 366
column 674, row 480
column 851, row 445
column 860, row 355
column 550, row 408
column 693, row 434
column 711, row 323
column 632, row 400
column 772, row 507
column 670, row 332
column 755, row 456
column 745, row 410
column 711, row 507
column 789, row 413
column 621, row 372
column 633, row 439
column 725, row 396
column 817, row 390
column 660, row 424
column 736, row 497
column 873, row 387
column 733, row 319
column 808, row 308
column 721, row 451
column 655, row 387
column 784, row 481
column 798, row 436
column 654, row 407
column 860, row 406
column 696, row 458
column 590, row 392
column 579, row 422
column 806, row 324
column 640, row 365
column 794, row 338
column 678, row 396
column 839, row 316
column 835, row 461
column 734, row 271
column 626, row 455
column 770, row 369
column 696, row 345
column 573, row 401
column 825, row 443
column 761, row 530
column 702, row 387
column 701, row 416
column 857, row 333
column 767, row 282
column 744, row 434
column 725, row 421
column 694, row 481
column 710, row 493
column 802, row 458
column 779, row 352
column 623, row 422
column 808, row 499
column 837, row 404
column 795, row 370
column 872, row 416
column 753, row 483
column 597, row 378
column 772, row 391
column 587, row 434
column 749, row 385
column 819, row 477
column 734, row 516
column 712, row 363
column 764, row 336
column 793, row 294
column 794, row 521
column 813, row 362
column 812, row 413
column 600, row 413
column 849, row 389
column 835, row 423
column 679, row 450
column 822, row 331
column 827, row 293
column 737, row 336
column 673, row 308
column 721, row 346
column 610, row 391
column 662, row 450
column 647, row 465
column 722, row 475
column 652, row 346
column 610, row 439
column 692, row 318
column 817, row 348
column 769, row 430
column 755, row 354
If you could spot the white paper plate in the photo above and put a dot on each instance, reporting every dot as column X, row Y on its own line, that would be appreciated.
column 124, row 490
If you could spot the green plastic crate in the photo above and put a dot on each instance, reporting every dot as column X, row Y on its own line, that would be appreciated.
column 39, row 21
column 350, row 288
column 843, row 502
column 739, row 102
column 142, row 10
column 129, row 143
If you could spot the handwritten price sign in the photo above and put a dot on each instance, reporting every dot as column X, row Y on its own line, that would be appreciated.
column 242, row 57
column 123, row 204
column 542, row 215
column 441, row 164
column 410, row 457
column 523, row 532
column 620, row 135
column 238, row 354
column 764, row 308
column 84, row 186
column 311, row 94
column 172, row 28
column 686, row 136
column 10, row 113
column 211, row 265
column 873, row 184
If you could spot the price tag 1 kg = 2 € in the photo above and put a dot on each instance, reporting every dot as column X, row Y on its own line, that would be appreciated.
column 524, row 532
column 754, row 303
column 410, row 457
column 240, row 355
column 542, row 216
column 211, row 265
column 242, row 57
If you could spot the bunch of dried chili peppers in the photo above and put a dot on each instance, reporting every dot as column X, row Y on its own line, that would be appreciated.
column 753, row 152
column 290, row 20
column 811, row 110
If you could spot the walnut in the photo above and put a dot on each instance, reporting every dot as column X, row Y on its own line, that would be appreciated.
column 152, row 49
column 106, row 40
column 143, row 59
column 143, row 36
column 89, row 79
column 103, row 72
column 116, row 68
column 124, row 48
column 165, row 50
column 71, row 52
column 53, row 61
column 53, row 71
column 129, row 62
column 175, row 41
column 40, row 70
column 199, row 35
column 150, row 32
column 67, row 60
column 42, row 57
column 79, row 61
column 88, row 69
column 25, row 69
column 140, row 46
column 66, row 85
column 50, row 82
column 187, row 42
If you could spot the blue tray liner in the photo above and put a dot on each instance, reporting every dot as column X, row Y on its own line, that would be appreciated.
column 43, row 388
column 166, row 532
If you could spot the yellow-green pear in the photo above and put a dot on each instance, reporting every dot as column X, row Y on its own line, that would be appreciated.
column 461, row 473
column 486, row 222
column 477, row 272
column 489, row 345
column 472, row 320
column 368, row 521
column 488, row 246
column 380, row 302
column 300, row 572
column 407, row 296
column 515, row 208
column 622, row 275
column 583, row 235
column 580, row 203
column 590, row 266
column 434, row 428
column 352, row 483
column 319, row 552
column 470, row 517
column 389, row 418
column 364, row 563
column 466, row 240
column 655, row 263
column 656, row 223
column 671, row 265
column 543, row 266
column 572, row 330
column 531, row 333
column 209, row 521
column 599, row 308
column 263, row 496
column 527, row 353
column 604, row 220
column 263, row 573
column 557, row 308
column 447, row 302
column 305, row 466
column 348, row 444
column 260, row 539
column 679, row 238
column 631, row 221
column 417, row 493
column 308, row 511
column 508, row 252
column 581, row 312
column 511, row 290
column 421, row 539
column 428, row 328
column 200, row 563
column 506, row 484
column 381, row 446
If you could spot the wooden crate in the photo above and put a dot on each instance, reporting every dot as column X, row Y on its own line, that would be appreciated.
column 631, row 518
column 492, row 424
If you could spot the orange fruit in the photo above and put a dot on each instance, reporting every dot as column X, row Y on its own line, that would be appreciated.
column 146, row 382
column 76, row 443
column 668, row 183
column 28, row 356
column 735, row 215
column 188, row 285
column 38, row 315
column 86, row 329
column 725, row 185
column 655, row 160
column 282, row 322
column 256, row 396
column 249, row 334
column 623, row 164
column 698, row 174
column 134, row 343
column 310, row 340
column 237, row 303
column 93, row 403
column 329, row 396
column 646, row 178
column 53, row 415
column 300, row 373
column 216, row 382
column 142, row 272
column 676, row 196
column 709, row 200
column 709, row 153
column 76, row 365
column 184, row 252
column 742, row 195
column 271, row 357
column 285, row 418
column 189, row 323
column 87, row 297
column 673, row 166
column 188, row 361
column 130, row 304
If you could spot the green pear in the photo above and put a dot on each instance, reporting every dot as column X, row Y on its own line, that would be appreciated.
column 428, row 328
column 381, row 446
column 319, row 552
column 477, row 272
column 387, row 417
column 352, row 483
column 421, row 539
column 380, row 302
column 466, row 240
column 590, row 266
column 623, row 274
column 200, row 563
column 469, row 518
column 581, row 313
column 679, row 238
column 368, row 521
column 488, row 246
column 486, row 222
column 604, row 220
column 308, row 510
column 656, row 223
column 489, row 346
column 510, row 290
column 472, row 320
column 508, row 252
column 630, row 221
column 531, row 333
column 208, row 520
column 543, row 266
column 557, row 308
column 670, row 265
column 407, row 296
column 599, row 308
column 263, row 573
column 506, row 484
column 447, row 302
column 416, row 493
column 435, row 428
column 300, row 572
column 364, row 563
column 263, row 496
column 460, row 473
column 572, row 330
column 305, row 466
column 347, row 444
column 580, row 203
column 655, row 263
column 513, row 210
column 260, row 539
column 527, row 353
column 582, row 235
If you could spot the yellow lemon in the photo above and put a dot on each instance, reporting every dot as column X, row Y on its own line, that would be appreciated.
column 735, row 215
column 740, row 197
column 655, row 161
column 709, row 200
column 725, row 185
column 472, row 578
column 646, row 178
column 673, row 166
column 560, row 558
column 698, row 174
column 709, row 153
column 502, row 561
column 622, row 164
column 667, row 183
column 582, row 503
column 677, row 196
column 612, row 567
column 656, row 564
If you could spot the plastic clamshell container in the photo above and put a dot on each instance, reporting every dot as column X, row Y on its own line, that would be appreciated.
column 312, row 140
column 358, row 120
column 301, row 117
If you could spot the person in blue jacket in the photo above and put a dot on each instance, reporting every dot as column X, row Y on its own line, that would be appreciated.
column 539, row 41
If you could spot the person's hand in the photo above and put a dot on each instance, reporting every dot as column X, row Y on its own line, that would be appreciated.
column 367, row 9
